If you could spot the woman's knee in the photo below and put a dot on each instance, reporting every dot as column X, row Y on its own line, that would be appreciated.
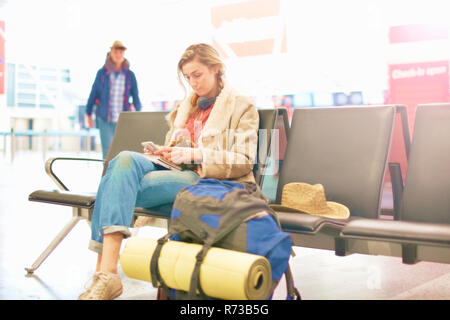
column 130, row 160
column 125, row 158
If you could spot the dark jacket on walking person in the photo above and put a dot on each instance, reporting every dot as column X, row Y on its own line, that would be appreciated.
column 114, row 84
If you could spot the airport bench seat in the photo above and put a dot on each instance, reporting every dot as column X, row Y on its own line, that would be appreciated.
column 407, row 232
column 65, row 198
column 346, row 150
column 86, row 200
column 133, row 128
column 423, row 230
column 409, row 240
column 293, row 222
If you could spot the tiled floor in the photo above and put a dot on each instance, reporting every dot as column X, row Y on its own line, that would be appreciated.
column 26, row 228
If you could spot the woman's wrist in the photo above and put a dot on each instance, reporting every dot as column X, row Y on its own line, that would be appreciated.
column 197, row 155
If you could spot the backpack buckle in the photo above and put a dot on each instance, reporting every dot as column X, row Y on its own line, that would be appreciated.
column 200, row 256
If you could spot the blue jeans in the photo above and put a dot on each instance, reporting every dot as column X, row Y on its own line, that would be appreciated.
column 132, row 180
column 106, row 134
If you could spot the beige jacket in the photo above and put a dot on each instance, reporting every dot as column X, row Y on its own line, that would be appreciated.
column 228, row 139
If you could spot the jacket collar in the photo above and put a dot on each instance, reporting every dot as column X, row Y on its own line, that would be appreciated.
column 218, row 119
column 110, row 66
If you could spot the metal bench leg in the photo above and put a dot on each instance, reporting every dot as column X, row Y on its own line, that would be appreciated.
column 61, row 235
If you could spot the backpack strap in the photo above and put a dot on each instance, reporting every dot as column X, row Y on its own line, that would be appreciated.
column 195, row 278
column 154, row 269
column 292, row 291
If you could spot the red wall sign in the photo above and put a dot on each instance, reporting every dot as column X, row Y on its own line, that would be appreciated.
column 424, row 81
column 417, row 83
column 416, row 32
column 412, row 84
column 2, row 57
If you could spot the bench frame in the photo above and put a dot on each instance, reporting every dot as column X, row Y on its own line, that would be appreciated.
column 84, row 209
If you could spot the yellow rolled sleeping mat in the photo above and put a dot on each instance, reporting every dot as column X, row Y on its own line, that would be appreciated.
column 224, row 274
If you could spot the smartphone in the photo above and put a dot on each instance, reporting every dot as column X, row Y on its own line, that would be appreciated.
column 150, row 146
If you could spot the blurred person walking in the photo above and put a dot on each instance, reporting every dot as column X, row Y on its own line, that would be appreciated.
column 114, row 84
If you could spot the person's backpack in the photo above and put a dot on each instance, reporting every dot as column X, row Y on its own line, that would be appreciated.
column 229, row 215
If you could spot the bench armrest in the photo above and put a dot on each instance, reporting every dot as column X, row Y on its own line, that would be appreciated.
column 54, row 177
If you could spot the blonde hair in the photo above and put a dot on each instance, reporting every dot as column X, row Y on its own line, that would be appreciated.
column 206, row 55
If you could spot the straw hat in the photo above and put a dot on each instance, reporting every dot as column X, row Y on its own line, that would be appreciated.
column 307, row 198
column 118, row 45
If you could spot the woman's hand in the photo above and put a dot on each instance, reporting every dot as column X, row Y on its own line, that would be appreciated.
column 181, row 155
column 164, row 152
column 150, row 147
column 147, row 151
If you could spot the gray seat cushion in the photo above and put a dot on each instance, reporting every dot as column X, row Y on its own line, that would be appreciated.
column 64, row 198
column 401, row 231
column 87, row 200
column 302, row 222
column 162, row 211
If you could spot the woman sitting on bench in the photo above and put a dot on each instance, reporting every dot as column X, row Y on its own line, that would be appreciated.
column 221, row 126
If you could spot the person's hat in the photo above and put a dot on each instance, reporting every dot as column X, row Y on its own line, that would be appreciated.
column 118, row 45
column 307, row 198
